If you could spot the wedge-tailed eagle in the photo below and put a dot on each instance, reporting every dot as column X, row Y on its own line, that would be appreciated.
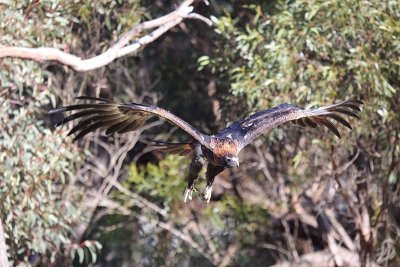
column 218, row 151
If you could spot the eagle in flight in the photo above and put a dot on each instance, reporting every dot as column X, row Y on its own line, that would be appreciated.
column 217, row 151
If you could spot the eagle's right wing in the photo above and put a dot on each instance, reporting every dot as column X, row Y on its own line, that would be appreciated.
column 120, row 118
column 246, row 130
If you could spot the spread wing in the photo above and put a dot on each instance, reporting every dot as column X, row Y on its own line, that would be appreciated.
column 248, row 129
column 119, row 118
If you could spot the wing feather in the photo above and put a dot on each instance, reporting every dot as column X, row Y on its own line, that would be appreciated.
column 123, row 123
column 248, row 129
column 340, row 119
column 181, row 149
column 310, row 122
column 131, row 127
column 101, row 121
column 328, row 124
column 119, row 117
column 301, row 123
column 90, row 128
column 83, row 114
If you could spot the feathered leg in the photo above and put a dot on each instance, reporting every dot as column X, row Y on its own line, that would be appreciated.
column 212, row 171
column 195, row 168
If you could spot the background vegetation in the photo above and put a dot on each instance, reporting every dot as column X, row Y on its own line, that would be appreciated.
column 298, row 194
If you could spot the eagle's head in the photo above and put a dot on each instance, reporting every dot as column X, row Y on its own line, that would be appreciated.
column 231, row 161
column 225, row 152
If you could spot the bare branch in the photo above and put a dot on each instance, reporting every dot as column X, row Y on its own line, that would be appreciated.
column 340, row 230
column 230, row 254
column 200, row 17
column 321, row 258
column 119, row 49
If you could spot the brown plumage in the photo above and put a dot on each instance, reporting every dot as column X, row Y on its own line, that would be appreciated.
column 219, row 151
column 224, row 147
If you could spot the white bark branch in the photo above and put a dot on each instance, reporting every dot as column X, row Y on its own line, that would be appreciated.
column 3, row 249
column 119, row 49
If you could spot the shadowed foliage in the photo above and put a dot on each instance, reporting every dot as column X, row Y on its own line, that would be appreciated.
column 299, row 195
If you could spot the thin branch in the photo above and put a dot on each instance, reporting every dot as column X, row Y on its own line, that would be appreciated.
column 340, row 170
column 200, row 17
column 264, row 164
column 279, row 249
column 196, row 226
column 230, row 254
column 187, row 238
column 340, row 230
column 119, row 49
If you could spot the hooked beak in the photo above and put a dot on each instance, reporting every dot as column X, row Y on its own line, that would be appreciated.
column 236, row 161
column 232, row 161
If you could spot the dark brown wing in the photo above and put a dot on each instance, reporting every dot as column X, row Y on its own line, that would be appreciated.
column 119, row 118
column 248, row 129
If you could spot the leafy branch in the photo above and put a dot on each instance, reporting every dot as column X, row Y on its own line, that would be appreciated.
column 119, row 49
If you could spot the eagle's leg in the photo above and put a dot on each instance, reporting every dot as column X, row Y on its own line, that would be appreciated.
column 212, row 171
column 195, row 168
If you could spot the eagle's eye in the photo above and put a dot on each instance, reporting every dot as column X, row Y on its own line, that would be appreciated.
column 231, row 161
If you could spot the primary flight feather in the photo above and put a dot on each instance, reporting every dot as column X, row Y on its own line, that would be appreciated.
column 218, row 151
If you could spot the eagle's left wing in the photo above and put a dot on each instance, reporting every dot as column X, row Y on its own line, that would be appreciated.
column 120, row 118
column 246, row 130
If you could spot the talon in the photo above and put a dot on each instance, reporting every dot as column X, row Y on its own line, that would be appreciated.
column 205, row 194
column 188, row 194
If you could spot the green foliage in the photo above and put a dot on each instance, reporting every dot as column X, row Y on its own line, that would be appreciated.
column 229, row 219
column 39, row 167
column 310, row 51
column 39, row 195
column 165, row 180
column 24, row 23
column 314, row 52
column 110, row 10
column 37, row 214
column 87, row 250
column 241, row 219
column 35, row 165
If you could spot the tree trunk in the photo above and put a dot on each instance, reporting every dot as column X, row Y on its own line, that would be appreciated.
column 3, row 251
